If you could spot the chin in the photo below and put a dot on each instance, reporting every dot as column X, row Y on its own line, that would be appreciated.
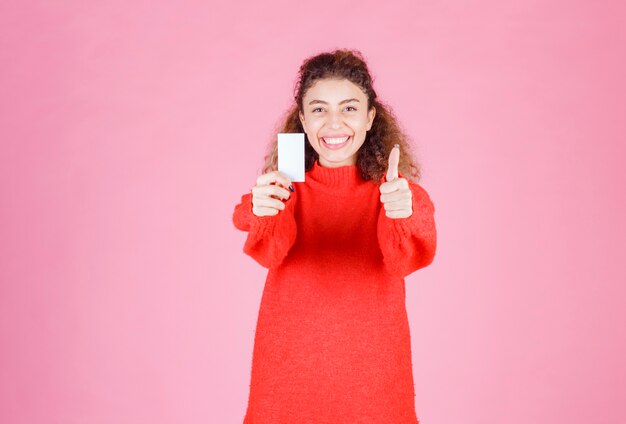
column 343, row 161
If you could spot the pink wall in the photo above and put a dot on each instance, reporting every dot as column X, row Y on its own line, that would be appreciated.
column 129, row 130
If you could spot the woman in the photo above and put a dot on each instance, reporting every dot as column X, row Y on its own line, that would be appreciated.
column 332, row 343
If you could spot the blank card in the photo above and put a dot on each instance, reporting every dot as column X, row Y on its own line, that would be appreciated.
column 291, row 155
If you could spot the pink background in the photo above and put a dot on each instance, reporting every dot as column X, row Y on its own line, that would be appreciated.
column 130, row 129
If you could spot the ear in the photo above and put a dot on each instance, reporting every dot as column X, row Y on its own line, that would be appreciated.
column 302, row 119
column 370, row 115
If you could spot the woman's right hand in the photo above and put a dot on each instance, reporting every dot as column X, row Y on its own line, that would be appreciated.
column 267, row 193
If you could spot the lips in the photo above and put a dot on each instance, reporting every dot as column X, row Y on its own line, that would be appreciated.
column 335, row 141
column 335, row 135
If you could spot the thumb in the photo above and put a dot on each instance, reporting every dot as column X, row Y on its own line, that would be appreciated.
column 394, row 160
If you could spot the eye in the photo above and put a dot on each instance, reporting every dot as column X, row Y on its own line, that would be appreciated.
column 316, row 109
column 351, row 107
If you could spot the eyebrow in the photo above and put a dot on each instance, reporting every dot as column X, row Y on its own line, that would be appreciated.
column 341, row 102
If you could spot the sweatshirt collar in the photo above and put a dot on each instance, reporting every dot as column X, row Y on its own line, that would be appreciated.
column 348, row 176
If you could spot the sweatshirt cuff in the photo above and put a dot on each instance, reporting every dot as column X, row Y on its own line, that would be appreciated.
column 399, row 229
column 260, row 226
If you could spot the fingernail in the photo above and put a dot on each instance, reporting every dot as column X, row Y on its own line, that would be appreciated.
column 291, row 188
column 396, row 145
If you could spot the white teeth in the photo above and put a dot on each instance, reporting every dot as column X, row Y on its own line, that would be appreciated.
column 335, row 140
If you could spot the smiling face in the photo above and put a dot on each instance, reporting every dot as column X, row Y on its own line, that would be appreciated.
column 336, row 120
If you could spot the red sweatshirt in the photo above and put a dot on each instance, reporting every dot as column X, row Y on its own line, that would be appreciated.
column 332, row 343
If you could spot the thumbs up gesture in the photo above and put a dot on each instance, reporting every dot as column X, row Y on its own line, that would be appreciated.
column 395, row 194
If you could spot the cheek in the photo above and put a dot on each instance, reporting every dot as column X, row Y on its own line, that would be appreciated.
column 313, row 128
column 358, row 123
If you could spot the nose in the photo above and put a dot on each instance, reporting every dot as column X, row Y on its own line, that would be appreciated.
column 335, row 120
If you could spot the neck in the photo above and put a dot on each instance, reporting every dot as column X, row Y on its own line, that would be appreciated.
column 348, row 162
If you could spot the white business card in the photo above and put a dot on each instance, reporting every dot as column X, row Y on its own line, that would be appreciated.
column 291, row 155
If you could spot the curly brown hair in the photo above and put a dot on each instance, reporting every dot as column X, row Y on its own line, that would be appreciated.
column 373, row 155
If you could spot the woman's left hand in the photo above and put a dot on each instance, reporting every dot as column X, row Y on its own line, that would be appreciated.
column 396, row 195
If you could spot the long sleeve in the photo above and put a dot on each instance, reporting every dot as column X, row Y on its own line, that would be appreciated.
column 269, row 237
column 408, row 244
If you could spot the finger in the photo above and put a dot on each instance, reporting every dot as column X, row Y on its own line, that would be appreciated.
column 397, row 184
column 262, row 211
column 271, row 190
column 401, row 194
column 274, row 177
column 394, row 160
column 390, row 186
column 269, row 202
column 398, row 205
column 398, row 214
